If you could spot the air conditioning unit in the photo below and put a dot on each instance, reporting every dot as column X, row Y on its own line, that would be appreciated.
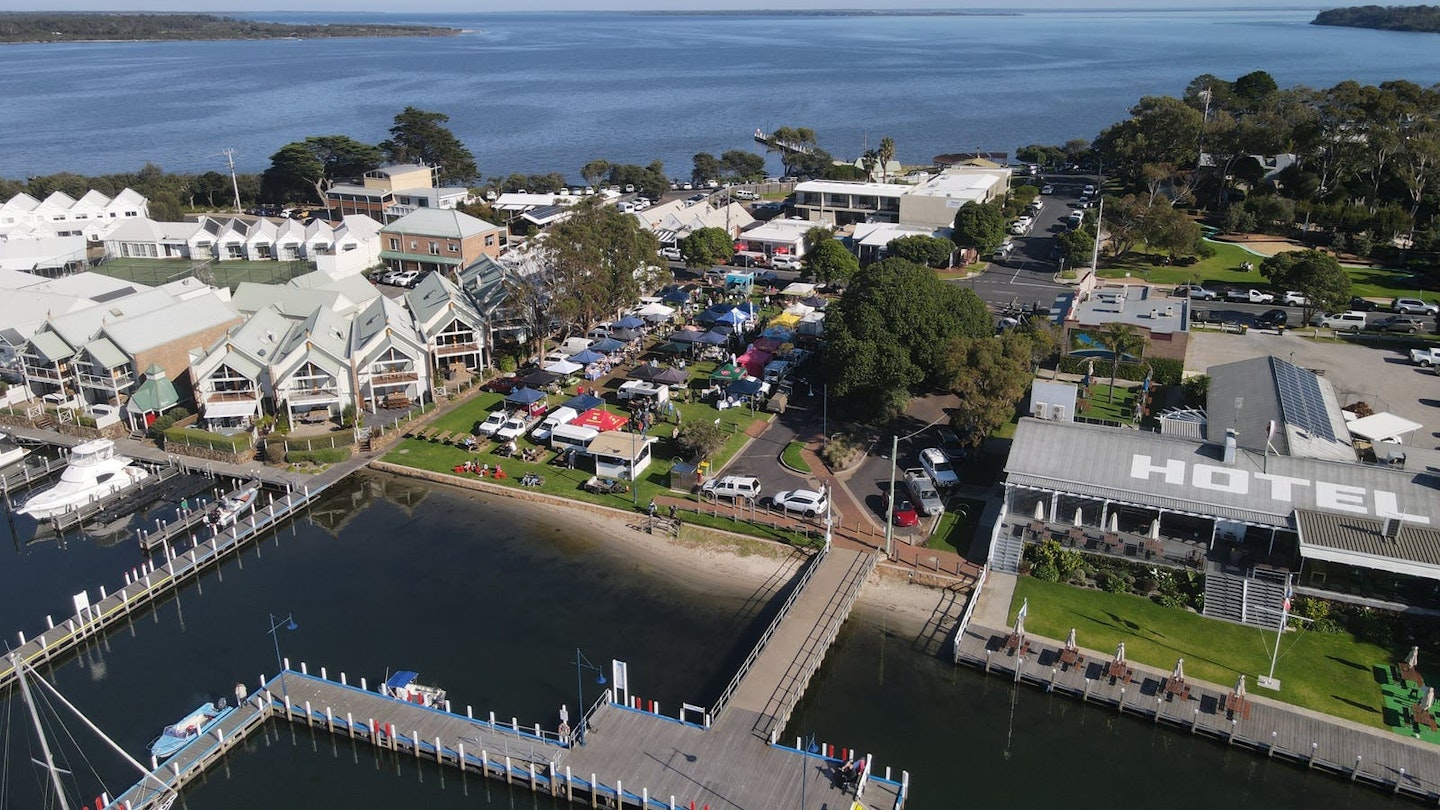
column 1038, row 410
column 1057, row 412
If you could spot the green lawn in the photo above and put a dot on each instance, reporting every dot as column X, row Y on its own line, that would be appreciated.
column 792, row 457
column 1330, row 673
column 1224, row 269
column 1099, row 406
column 957, row 526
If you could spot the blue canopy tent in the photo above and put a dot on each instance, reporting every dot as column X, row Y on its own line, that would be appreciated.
column 744, row 388
column 684, row 336
column 606, row 346
column 587, row 357
column 582, row 402
column 629, row 322
column 676, row 297
column 733, row 316
column 524, row 396
column 625, row 335
column 712, row 339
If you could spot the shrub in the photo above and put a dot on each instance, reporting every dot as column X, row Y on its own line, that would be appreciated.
column 326, row 455
column 232, row 443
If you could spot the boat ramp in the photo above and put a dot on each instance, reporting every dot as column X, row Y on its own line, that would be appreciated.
column 633, row 754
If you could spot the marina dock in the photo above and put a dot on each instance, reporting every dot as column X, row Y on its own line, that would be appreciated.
column 633, row 755
column 1351, row 751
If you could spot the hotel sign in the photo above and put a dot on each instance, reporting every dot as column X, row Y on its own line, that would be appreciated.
column 1282, row 489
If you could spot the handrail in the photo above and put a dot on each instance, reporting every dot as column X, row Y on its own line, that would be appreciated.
column 740, row 673
column 969, row 610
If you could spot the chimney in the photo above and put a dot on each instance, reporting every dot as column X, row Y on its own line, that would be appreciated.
column 1229, row 446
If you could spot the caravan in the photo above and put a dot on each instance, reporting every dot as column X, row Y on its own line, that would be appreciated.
column 565, row 438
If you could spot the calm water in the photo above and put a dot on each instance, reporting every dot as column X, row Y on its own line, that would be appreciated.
column 548, row 92
column 491, row 601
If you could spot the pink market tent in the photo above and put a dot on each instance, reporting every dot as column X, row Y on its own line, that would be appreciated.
column 601, row 420
column 754, row 361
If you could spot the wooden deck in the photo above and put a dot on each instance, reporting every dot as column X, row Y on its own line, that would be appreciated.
column 144, row 584
column 1352, row 751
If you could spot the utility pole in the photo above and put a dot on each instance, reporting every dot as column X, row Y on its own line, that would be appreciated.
column 234, row 184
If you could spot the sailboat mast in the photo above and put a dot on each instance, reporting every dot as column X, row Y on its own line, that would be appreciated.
column 102, row 735
column 39, row 730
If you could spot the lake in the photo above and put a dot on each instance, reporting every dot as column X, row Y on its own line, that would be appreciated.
column 536, row 93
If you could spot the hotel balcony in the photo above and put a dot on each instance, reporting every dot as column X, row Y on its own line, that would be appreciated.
column 45, row 374
column 456, row 348
column 244, row 395
column 393, row 378
column 116, row 382
column 307, row 396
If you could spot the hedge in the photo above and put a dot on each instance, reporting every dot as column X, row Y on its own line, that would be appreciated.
column 322, row 441
column 1167, row 371
column 328, row 455
column 232, row 443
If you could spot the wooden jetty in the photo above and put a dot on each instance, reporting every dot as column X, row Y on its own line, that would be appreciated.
column 189, row 522
column 30, row 474
column 1352, row 751
column 153, row 579
column 77, row 517
column 633, row 755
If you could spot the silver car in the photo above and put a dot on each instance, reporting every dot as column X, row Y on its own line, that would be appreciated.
column 923, row 493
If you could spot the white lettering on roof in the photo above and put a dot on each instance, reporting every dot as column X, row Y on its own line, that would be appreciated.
column 1140, row 467
column 1281, row 485
column 1341, row 497
column 1223, row 479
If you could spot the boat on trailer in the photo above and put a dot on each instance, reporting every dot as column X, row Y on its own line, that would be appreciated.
column 404, row 686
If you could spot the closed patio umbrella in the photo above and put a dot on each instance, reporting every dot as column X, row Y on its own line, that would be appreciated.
column 1179, row 673
column 1429, row 698
column 1079, row 516
column 1039, row 510
column 1240, row 687
column 1070, row 640
column 1120, row 653
column 1020, row 618
column 1413, row 659
column 1155, row 529
column 1114, row 522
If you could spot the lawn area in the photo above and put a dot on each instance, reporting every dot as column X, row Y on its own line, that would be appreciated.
column 791, row 456
column 226, row 273
column 1099, row 406
column 957, row 526
column 1331, row 673
column 1224, row 269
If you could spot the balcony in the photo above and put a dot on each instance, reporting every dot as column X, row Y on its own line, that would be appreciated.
column 116, row 382
column 247, row 395
column 307, row 396
column 393, row 378
column 456, row 348
column 44, row 374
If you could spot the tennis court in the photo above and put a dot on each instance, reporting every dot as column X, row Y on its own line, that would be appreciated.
column 155, row 272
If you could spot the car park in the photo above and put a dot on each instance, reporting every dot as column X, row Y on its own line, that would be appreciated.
column 923, row 493
column 1408, row 324
column 733, row 487
column 1414, row 306
column 1272, row 318
column 937, row 466
column 492, row 423
column 805, row 501
column 1196, row 292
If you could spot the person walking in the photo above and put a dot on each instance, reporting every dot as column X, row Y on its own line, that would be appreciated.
column 653, row 507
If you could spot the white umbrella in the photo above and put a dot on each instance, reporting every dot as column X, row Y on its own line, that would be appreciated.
column 1039, row 510
column 1079, row 516
column 1429, row 699
column 1155, row 529
column 1114, row 521
column 1413, row 659
column 1020, row 618
column 1179, row 673
column 1120, row 653
column 1240, row 687
column 1070, row 640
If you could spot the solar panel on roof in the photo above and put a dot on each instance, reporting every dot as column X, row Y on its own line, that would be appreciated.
column 113, row 295
column 1301, row 400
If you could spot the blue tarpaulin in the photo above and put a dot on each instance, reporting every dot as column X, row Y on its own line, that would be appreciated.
column 606, row 345
column 582, row 402
column 524, row 396
column 587, row 357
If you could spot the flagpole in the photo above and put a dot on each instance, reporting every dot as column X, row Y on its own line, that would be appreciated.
column 1269, row 681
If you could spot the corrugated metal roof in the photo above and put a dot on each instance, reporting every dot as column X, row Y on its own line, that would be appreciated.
column 106, row 353
column 169, row 324
column 51, row 346
column 1131, row 465
column 1357, row 540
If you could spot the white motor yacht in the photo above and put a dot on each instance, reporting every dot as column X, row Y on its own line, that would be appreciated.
column 10, row 452
column 94, row 471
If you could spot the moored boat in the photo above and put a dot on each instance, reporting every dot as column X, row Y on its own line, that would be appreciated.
column 402, row 686
column 10, row 452
column 234, row 506
column 191, row 726
column 94, row 471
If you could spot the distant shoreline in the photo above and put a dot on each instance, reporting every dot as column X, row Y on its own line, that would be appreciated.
column 25, row 28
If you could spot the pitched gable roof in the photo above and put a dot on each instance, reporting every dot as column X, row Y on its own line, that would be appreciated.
column 440, row 222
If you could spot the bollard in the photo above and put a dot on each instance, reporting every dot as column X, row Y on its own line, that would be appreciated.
column 363, row 687
column 342, row 680
column 309, row 716
column 330, row 719
column 322, row 673
column 484, row 762
column 415, row 741
column 350, row 724
column 460, row 755
column 1355, row 772
column 1120, row 707
column 509, row 777
column 532, row 778
column 469, row 713
column 304, row 670
column 1159, row 704
column 439, row 752
column 1399, row 779
column 492, row 719
column 1314, row 747
column 1270, row 752
column 594, row 792
column 515, row 725
column 1194, row 723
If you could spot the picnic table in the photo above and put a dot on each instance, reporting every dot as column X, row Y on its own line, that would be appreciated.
column 1236, row 705
column 1423, row 717
column 1037, row 528
column 1118, row 671
column 1411, row 674
column 1111, row 542
column 1016, row 644
column 1153, row 548
column 1176, row 687
column 1076, row 535
column 1071, row 658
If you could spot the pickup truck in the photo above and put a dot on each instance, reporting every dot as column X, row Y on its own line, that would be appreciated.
column 923, row 493
column 1253, row 296
column 1426, row 357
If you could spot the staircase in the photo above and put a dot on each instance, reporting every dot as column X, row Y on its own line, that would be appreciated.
column 1006, row 548
column 362, row 439
column 1256, row 600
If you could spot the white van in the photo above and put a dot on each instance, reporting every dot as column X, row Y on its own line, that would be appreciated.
column 575, row 345
column 552, row 420
column 745, row 194
column 572, row 437
column 637, row 389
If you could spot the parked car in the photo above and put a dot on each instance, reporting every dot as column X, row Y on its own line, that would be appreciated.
column 1252, row 296
column 781, row 263
column 1344, row 321
column 492, row 423
column 501, row 385
column 1358, row 304
column 407, row 278
column 1293, row 298
column 950, row 443
column 1196, row 292
column 733, row 486
column 923, row 492
column 671, row 253
column 905, row 514
column 1272, row 318
column 513, row 428
column 805, row 501
column 1409, row 324
column 1427, row 357
column 1047, row 189
column 1021, row 226
column 1414, row 306
column 938, row 467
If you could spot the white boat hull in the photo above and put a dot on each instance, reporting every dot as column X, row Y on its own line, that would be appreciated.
column 59, row 500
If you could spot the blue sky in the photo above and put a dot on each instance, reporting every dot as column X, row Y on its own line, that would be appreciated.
column 411, row 6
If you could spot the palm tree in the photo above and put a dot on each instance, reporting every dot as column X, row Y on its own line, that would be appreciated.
column 886, row 154
column 867, row 162
column 1120, row 339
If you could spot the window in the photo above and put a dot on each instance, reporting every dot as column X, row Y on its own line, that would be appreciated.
column 434, row 248
column 454, row 248
column 394, row 244
column 132, row 213
column 490, row 240
column 414, row 245
column 422, row 202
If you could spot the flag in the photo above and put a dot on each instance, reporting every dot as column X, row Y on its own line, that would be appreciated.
column 1288, row 593
column 1024, row 609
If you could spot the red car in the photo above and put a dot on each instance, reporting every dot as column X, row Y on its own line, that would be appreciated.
column 500, row 385
column 905, row 514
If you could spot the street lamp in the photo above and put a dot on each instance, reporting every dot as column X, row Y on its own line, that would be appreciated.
column 276, row 624
column 890, row 506
column 581, row 664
